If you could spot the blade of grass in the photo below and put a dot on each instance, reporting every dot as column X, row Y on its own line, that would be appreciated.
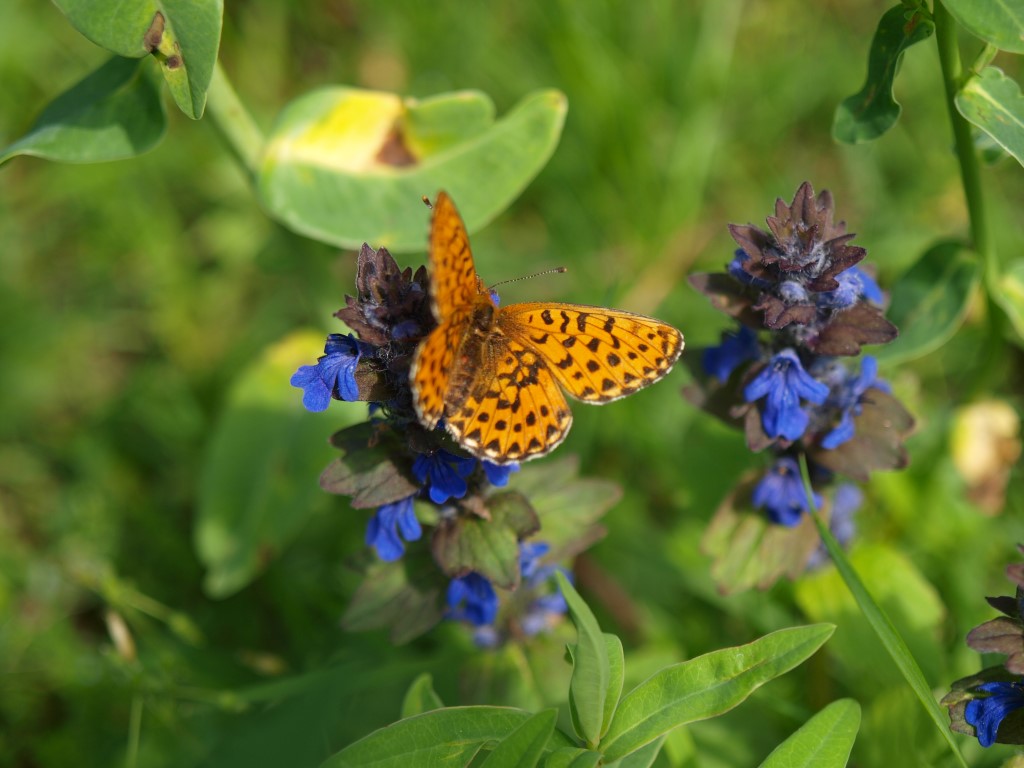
column 880, row 621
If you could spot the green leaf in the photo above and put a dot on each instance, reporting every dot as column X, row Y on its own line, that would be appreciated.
column 489, row 547
column 182, row 34
column 568, row 506
column 421, row 697
column 111, row 114
column 573, row 757
column 824, row 741
column 442, row 738
column 258, row 486
column 641, row 758
column 404, row 596
column 706, row 686
column 348, row 166
column 999, row 22
column 1010, row 295
column 873, row 110
column 617, row 673
column 993, row 102
column 371, row 469
column 524, row 746
column 748, row 549
column 591, row 669
column 929, row 302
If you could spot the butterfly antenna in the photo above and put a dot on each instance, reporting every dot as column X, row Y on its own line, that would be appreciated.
column 555, row 270
column 426, row 202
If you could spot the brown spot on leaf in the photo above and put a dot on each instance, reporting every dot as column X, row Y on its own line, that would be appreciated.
column 155, row 33
column 173, row 62
column 394, row 150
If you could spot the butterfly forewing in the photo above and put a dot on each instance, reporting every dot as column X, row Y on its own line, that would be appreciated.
column 596, row 354
column 432, row 366
column 454, row 282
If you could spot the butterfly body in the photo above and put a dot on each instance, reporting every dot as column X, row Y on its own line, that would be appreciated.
column 496, row 374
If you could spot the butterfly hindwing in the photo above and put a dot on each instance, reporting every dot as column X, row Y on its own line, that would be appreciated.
column 596, row 354
column 515, row 413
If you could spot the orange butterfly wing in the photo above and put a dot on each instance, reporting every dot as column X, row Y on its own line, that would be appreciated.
column 596, row 354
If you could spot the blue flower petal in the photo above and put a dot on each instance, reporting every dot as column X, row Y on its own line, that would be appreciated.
column 333, row 375
column 735, row 349
column 781, row 493
column 445, row 474
column 472, row 598
column 316, row 396
column 986, row 714
column 389, row 525
column 498, row 474
column 783, row 382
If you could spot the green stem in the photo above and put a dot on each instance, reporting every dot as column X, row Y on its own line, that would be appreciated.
column 970, row 175
column 880, row 622
column 233, row 121
column 134, row 731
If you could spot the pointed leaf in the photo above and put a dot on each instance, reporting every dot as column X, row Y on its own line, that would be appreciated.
column 442, row 738
column 617, row 670
column 929, row 302
column 999, row 22
column 591, row 669
column 993, row 102
column 111, row 114
column 404, row 596
column 258, row 485
column 573, row 757
column 184, row 35
column 489, row 547
column 873, row 110
column 524, row 746
column 824, row 741
column 706, row 686
column 421, row 697
column 373, row 468
column 345, row 165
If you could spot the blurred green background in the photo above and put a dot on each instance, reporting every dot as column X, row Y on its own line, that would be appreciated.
column 134, row 295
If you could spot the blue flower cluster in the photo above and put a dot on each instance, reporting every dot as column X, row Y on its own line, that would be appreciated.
column 786, row 375
column 395, row 455
column 472, row 598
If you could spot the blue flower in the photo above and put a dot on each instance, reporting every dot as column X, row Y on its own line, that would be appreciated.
column 845, row 502
column 445, row 473
column 389, row 525
column 333, row 375
column 781, row 493
column 472, row 598
column 497, row 474
column 854, row 284
column 784, row 381
column 986, row 714
column 735, row 268
column 735, row 349
column 542, row 612
column 847, row 399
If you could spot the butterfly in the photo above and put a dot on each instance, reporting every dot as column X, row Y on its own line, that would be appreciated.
column 495, row 375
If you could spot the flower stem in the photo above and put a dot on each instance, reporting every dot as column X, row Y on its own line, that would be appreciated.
column 880, row 622
column 970, row 176
column 233, row 121
column 134, row 731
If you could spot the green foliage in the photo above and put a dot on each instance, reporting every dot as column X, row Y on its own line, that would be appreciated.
column 930, row 301
column 347, row 166
column 111, row 114
column 172, row 578
column 822, row 742
column 873, row 110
